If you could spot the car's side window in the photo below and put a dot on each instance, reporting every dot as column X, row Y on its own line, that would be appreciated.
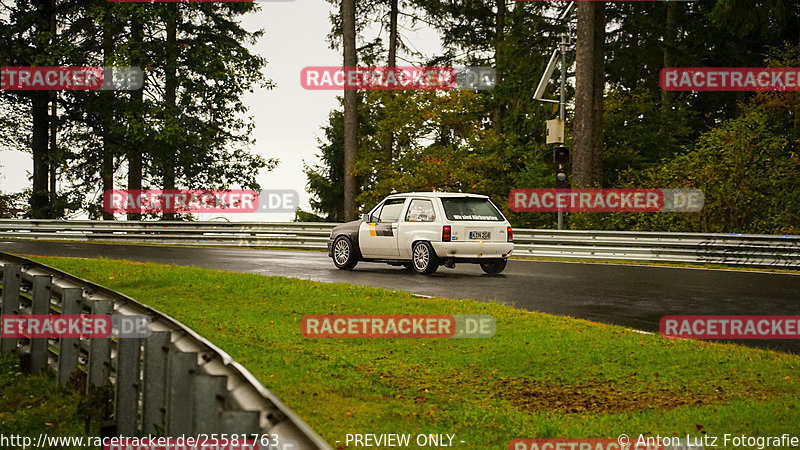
column 375, row 214
column 420, row 211
column 391, row 210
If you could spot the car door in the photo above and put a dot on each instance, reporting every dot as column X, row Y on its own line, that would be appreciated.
column 377, row 238
column 420, row 222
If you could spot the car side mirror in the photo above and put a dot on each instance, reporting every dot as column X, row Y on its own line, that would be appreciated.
column 365, row 217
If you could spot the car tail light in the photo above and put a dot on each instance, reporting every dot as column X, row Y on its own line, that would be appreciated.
column 510, row 234
column 446, row 233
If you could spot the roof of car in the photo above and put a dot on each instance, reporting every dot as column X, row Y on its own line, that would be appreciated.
column 436, row 195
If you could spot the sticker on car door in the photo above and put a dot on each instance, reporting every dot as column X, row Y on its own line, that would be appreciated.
column 380, row 229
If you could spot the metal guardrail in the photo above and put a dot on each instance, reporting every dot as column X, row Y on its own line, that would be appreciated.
column 728, row 249
column 171, row 383
column 704, row 248
column 247, row 234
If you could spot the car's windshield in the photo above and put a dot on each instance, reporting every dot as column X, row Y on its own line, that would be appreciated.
column 470, row 208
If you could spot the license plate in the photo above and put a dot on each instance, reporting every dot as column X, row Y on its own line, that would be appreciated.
column 480, row 234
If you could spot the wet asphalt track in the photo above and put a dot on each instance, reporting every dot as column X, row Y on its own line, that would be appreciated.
column 634, row 296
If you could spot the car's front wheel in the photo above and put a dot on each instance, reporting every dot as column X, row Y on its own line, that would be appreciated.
column 344, row 255
column 494, row 267
column 423, row 258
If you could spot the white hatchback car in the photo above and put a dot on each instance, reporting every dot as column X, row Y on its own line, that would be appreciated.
column 423, row 230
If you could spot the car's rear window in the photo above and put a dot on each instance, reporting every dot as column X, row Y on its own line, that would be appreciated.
column 466, row 208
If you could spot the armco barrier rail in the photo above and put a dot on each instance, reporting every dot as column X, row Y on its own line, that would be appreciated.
column 255, row 234
column 171, row 383
column 729, row 249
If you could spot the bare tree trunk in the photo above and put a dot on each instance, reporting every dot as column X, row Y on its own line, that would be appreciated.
column 500, row 24
column 107, row 164
column 40, row 197
column 669, row 48
column 388, row 146
column 170, row 95
column 134, row 152
column 107, row 172
column 52, row 157
column 587, row 162
column 350, row 114
column 393, row 13
column 599, row 91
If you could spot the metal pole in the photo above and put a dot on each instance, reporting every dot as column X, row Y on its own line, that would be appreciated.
column 562, row 111
column 562, row 107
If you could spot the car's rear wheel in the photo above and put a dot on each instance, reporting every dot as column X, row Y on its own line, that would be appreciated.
column 344, row 255
column 423, row 258
column 494, row 267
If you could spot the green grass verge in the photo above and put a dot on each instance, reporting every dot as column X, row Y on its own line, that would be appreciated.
column 31, row 405
column 541, row 376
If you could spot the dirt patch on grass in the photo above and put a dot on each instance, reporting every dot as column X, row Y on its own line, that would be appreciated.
column 592, row 397
column 470, row 383
column 610, row 398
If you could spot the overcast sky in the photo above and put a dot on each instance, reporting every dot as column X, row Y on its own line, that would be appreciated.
column 288, row 118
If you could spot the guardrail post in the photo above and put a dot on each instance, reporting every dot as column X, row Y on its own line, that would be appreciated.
column 181, row 368
column 42, row 287
column 209, row 394
column 126, row 399
column 241, row 422
column 99, row 366
column 11, row 282
column 69, row 348
column 156, row 351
